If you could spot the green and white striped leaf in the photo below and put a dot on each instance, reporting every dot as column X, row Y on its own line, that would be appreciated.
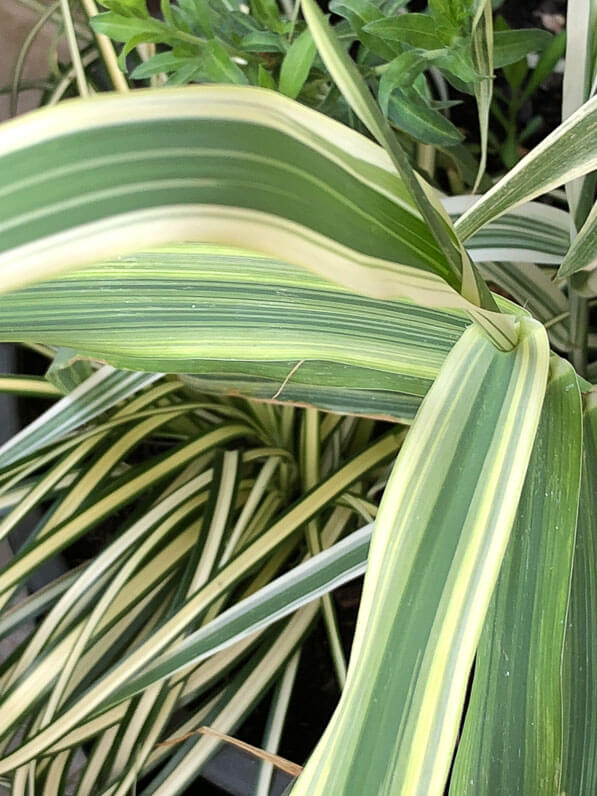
column 317, row 576
column 101, row 391
column 533, row 233
column 567, row 153
column 512, row 741
column 438, row 545
column 244, row 692
column 209, row 312
column 579, row 85
column 583, row 252
column 579, row 686
column 461, row 272
column 211, row 164
column 534, row 289
column 184, row 619
column 482, row 52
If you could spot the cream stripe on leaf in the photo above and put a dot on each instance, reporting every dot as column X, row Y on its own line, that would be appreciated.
column 209, row 312
column 217, row 172
column 159, row 641
column 583, row 252
column 462, row 273
column 208, row 145
column 567, row 153
column 512, row 738
column 440, row 536
column 101, row 391
column 533, row 232
column 197, row 310
column 33, row 386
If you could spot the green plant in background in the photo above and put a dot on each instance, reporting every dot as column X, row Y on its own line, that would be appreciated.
column 364, row 298
column 522, row 83
column 264, row 45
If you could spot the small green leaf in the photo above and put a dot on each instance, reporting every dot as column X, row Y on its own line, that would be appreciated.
column 267, row 14
column 127, row 8
column 203, row 16
column 417, row 30
column 218, row 66
column 510, row 46
column 124, row 28
column 263, row 41
column 185, row 74
column 453, row 18
column 401, row 73
column 359, row 13
column 297, row 64
column 482, row 57
column 583, row 252
column 548, row 59
column 265, row 78
column 162, row 62
column 410, row 113
column 459, row 63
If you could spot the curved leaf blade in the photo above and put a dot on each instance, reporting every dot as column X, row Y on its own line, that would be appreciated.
column 569, row 152
column 209, row 312
column 461, row 272
column 583, row 252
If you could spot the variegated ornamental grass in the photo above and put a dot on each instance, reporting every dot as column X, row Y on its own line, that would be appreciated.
column 208, row 245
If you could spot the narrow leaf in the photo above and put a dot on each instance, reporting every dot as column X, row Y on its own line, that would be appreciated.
column 509, row 46
column 569, row 152
column 209, row 312
column 92, row 397
column 583, row 252
column 297, row 64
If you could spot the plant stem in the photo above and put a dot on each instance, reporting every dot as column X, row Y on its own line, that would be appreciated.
column 311, row 449
column 55, row 18
column 71, row 38
column 107, row 51
column 14, row 95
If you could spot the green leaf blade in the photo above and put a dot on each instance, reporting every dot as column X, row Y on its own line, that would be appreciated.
column 583, row 252
column 297, row 64
column 445, row 517
column 567, row 153
column 512, row 736
column 579, row 774
column 209, row 313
